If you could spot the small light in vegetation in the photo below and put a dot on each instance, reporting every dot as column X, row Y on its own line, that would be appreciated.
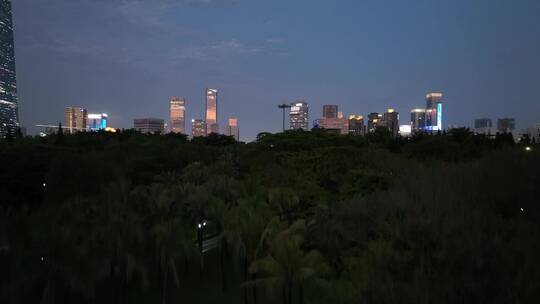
column 200, row 226
column 528, row 148
column 42, row 259
column 522, row 209
column 44, row 184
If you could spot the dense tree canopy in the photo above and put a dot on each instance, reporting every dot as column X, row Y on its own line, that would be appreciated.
column 294, row 217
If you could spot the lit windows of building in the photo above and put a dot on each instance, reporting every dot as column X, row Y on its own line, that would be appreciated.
column 198, row 128
column 211, row 117
column 299, row 116
column 177, row 109
column 9, row 110
column 374, row 121
column 76, row 119
column 356, row 124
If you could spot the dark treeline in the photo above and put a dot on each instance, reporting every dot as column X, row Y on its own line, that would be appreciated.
column 295, row 217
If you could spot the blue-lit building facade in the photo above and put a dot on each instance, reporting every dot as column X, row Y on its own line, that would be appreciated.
column 9, row 113
column 96, row 122
column 434, row 111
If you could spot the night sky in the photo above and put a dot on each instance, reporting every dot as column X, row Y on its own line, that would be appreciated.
column 128, row 57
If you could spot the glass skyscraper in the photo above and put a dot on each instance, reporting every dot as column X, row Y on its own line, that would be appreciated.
column 9, row 113
column 211, row 118
column 178, row 115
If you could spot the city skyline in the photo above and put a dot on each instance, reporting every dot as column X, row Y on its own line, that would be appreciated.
column 256, row 72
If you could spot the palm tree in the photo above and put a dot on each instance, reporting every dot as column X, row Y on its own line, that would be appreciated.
column 287, row 266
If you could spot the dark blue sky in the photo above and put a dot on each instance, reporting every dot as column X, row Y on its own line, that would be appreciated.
column 127, row 57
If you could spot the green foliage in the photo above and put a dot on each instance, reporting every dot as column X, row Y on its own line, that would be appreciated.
column 294, row 217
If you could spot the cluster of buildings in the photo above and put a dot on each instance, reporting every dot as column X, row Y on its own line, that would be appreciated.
column 199, row 127
column 78, row 119
column 427, row 119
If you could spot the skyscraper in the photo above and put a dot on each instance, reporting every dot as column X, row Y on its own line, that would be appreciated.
column 434, row 111
column 149, row 125
column 97, row 122
column 330, row 111
column 177, row 108
column 211, row 118
column 506, row 125
column 232, row 128
column 299, row 116
column 9, row 112
column 198, row 128
column 356, row 124
column 418, row 120
column 374, row 121
column 391, row 121
column 76, row 119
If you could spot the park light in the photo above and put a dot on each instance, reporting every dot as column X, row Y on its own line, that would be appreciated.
column 200, row 226
column 44, row 185
column 528, row 148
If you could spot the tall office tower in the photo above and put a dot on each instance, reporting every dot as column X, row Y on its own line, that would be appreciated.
column 299, row 115
column 198, row 128
column 356, row 125
column 177, row 108
column 9, row 111
column 97, row 122
column 232, row 128
column 434, row 111
column 482, row 123
column 506, row 125
column 418, row 120
column 330, row 111
column 374, row 121
column 211, row 118
column 149, row 125
column 76, row 118
column 391, row 121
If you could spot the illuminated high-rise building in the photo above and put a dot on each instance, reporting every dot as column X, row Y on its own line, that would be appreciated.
column 149, row 125
column 97, row 122
column 374, row 121
column 76, row 119
column 198, row 128
column 434, row 111
column 299, row 116
column 9, row 111
column 211, row 118
column 177, row 109
column 330, row 111
column 506, row 125
column 356, row 124
column 418, row 120
column 232, row 128
column 391, row 121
